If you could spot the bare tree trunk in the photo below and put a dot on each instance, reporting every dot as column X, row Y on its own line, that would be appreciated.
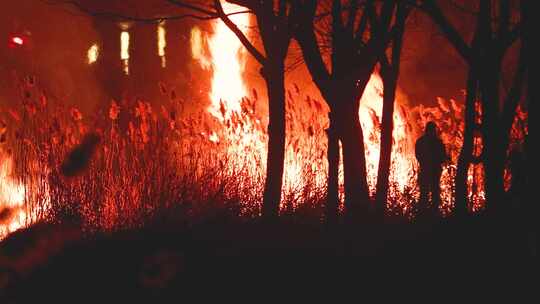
column 332, row 199
column 465, row 155
column 530, row 148
column 275, row 82
column 390, row 82
column 390, row 74
column 493, row 155
column 341, row 83
column 354, row 163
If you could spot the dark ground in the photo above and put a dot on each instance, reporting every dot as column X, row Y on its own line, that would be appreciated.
column 231, row 261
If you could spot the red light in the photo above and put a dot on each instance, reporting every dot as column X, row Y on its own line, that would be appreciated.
column 17, row 40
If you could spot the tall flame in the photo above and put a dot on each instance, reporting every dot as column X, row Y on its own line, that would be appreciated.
column 227, row 61
column 370, row 114
column 162, row 42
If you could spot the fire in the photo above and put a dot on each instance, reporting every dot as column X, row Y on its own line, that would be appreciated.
column 197, row 48
column 93, row 53
column 124, row 51
column 12, row 194
column 227, row 61
column 162, row 43
column 125, row 178
column 245, row 138
column 225, row 57
column 370, row 113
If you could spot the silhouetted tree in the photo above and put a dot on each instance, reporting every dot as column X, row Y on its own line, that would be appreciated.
column 495, row 36
column 389, row 74
column 274, row 22
column 357, row 42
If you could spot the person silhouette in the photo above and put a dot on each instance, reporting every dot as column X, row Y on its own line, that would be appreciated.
column 431, row 154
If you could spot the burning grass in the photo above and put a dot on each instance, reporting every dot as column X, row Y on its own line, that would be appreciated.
column 133, row 162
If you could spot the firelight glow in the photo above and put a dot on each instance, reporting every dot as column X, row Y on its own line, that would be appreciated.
column 11, row 199
column 124, row 51
column 162, row 42
column 227, row 61
column 225, row 56
column 93, row 53
column 370, row 114
column 17, row 40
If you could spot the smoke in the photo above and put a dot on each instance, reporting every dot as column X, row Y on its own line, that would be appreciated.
column 54, row 53
column 430, row 66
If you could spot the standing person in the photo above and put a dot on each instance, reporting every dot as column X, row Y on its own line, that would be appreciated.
column 431, row 154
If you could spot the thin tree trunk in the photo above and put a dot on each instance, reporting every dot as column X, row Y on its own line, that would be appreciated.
column 390, row 74
column 494, row 156
column 383, row 172
column 465, row 155
column 530, row 148
column 332, row 199
column 275, row 83
column 354, row 164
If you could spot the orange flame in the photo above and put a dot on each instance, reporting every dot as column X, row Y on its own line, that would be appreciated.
column 226, row 59
column 370, row 114
column 11, row 199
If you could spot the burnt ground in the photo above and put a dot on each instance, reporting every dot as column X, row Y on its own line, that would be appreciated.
column 230, row 260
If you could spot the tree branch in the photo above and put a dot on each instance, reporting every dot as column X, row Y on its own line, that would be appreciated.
column 305, row 35
column 122, row 17
column 431, row 8
column 402, row 14
column 352, row 17
column 359, row 35
column 504, row 17
column 193, row 7
column 208, row 15
column 243, row 39
column 514, row 95
column 509, row 37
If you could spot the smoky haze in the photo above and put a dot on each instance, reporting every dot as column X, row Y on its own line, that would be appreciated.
column 59, row 37
column 56, row 41
column 54, row 52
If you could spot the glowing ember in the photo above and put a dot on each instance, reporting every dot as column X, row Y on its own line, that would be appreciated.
column 162, row 43
column 17, row 40
column 93, row 53
column 124, row 51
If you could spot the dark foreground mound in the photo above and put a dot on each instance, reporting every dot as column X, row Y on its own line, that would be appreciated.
column 57, row 264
